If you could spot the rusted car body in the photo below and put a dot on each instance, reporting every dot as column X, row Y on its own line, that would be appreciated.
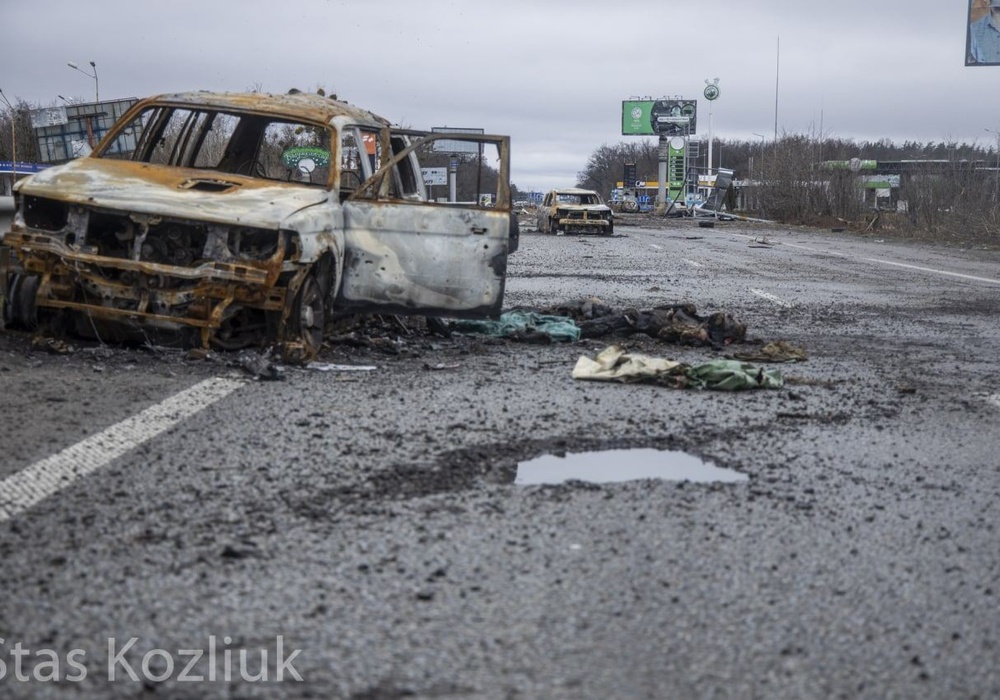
column 575, row 210
column 231, row 220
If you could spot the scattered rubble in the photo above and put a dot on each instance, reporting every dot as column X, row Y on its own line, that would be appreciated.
column 259, row 366
column 775, row 351
column 572, row 321
column 674, row 323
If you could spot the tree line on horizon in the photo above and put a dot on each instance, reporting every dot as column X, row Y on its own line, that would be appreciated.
column 959, row 200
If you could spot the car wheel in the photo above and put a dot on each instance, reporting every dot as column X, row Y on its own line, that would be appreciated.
column 308, row 318
column 20, row 310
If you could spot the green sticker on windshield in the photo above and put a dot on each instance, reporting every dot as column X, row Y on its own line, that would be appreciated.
column 305, row 155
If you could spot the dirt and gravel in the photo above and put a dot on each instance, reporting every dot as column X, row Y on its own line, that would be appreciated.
column 370, row 518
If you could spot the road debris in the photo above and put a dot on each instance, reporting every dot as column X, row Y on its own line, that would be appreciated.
column 330, row 367
column 523, row 325
column 259, row 366
column 673, row 323
column 775, row 351
column 53, row 346
column 197, row 354
column 616, row 364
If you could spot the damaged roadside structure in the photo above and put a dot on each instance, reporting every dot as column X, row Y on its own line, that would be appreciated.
column 231, row 220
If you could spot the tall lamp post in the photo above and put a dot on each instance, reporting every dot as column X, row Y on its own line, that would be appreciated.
column 97, row 90
column 711, row 94
column 13, row 140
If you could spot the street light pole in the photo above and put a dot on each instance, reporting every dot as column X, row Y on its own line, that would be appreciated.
column 13, row 140
column 97, row 88
column 711, row 94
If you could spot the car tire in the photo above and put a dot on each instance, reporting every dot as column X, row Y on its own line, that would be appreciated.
column 20, row 310
column 308, row 319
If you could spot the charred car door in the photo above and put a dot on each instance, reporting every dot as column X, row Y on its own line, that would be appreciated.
column 405, row 254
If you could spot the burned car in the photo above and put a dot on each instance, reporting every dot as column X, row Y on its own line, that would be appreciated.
column 229, row 220
column 574, row 210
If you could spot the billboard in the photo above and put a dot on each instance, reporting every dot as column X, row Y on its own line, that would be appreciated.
column 454, row 145
column 982, row 38
column 667, row 117
column 434, row 176
column 71, row 131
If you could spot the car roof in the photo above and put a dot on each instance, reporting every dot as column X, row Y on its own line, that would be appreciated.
column 301, row 105
column 572, row 190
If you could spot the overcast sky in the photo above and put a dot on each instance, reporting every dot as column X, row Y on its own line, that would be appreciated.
column 550, row 73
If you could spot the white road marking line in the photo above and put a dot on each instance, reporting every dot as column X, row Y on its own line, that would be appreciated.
column 655, row 247
column 20, row 491
column 881, row 261
column 801, row 247
column 692, row 263
column 935, row 271
column 771, row 297
column 815, row 250
column 993, row 399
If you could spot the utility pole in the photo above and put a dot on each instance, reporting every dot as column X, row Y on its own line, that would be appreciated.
column 13, row 138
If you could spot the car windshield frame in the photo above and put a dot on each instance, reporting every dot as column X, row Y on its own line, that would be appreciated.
column 578, row 198
column 273, row 147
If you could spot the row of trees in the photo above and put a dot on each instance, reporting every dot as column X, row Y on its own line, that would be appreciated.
column 958, row 200
column 23, row 141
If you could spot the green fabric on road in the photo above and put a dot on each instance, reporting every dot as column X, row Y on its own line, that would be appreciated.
column 514, row 323
column 615, row 364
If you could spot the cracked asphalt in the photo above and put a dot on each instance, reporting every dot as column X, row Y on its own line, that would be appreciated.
column 369, row 521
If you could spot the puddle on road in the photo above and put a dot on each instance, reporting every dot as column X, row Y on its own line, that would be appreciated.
column 622, row 465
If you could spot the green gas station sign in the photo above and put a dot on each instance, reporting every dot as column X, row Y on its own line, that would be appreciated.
column 666, row 117
column 636, row 118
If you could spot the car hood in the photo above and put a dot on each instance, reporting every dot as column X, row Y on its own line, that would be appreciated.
column 183, row 193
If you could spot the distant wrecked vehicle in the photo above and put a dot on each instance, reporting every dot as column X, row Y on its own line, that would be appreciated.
column 574, row 210
column 231, row 220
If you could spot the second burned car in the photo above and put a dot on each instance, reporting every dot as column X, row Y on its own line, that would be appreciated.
column 575, row 210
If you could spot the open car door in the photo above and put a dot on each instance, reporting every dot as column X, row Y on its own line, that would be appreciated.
column 407, row 255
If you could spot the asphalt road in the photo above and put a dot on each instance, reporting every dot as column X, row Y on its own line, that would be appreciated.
column 367, row 521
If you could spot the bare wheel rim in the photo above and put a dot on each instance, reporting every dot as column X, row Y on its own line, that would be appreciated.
column 310, row 315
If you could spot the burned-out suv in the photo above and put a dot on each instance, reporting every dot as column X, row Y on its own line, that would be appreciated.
column 233, row 220
column 575, row 210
